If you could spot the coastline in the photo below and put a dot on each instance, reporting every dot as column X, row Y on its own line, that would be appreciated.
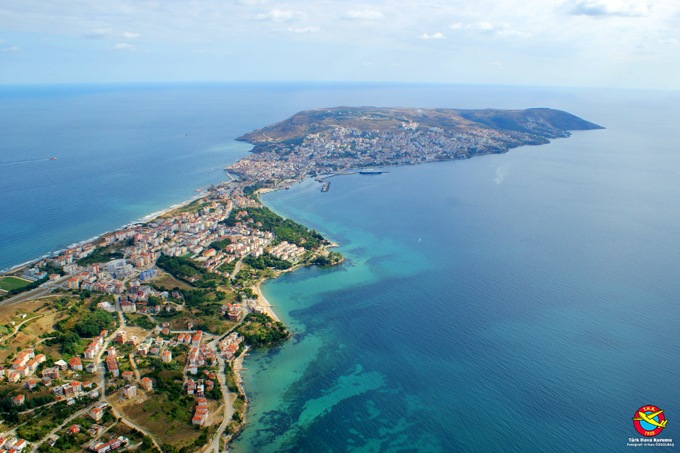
column 141, row 220
column 262, row 301
column 263, row 304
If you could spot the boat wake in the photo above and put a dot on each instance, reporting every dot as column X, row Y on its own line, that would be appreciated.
column 19, row 162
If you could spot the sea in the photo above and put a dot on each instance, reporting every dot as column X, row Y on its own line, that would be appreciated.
column 519, row 302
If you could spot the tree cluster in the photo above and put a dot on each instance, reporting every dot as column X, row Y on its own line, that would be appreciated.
column 267, row 261
column 259, row 330
column 284, row 229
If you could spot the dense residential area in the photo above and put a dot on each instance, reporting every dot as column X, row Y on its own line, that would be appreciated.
column 323, row 141
column 134, row 340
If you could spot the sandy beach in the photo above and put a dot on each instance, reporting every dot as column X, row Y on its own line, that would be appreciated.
column 264, row 303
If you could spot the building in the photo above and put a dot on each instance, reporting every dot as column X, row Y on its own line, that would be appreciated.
column 52, row 373
column 73, row 283
column 128, row 307
column 147, row 384
column 96, row 413
column 130, row 391
column 19, row 400
column 75, row 364
column 63, row 366
column 112, row 366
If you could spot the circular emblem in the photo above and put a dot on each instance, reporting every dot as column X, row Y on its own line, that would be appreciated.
column 649, row 421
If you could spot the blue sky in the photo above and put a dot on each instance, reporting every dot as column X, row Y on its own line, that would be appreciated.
column 597, row 43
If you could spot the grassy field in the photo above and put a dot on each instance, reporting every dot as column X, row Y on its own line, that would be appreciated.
column 10, row 283
column 168, row 282
column 169, row 420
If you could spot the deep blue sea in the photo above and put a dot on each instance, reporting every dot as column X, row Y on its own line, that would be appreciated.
column 527, row 301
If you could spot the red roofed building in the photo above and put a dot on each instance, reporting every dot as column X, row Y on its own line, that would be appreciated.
column 147, row 384
column 75, row 364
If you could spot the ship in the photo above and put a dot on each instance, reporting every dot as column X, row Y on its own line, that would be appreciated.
column 371, row 171
column 53, row 158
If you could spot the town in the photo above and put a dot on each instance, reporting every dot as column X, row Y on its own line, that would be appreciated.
column 325, row 141
column 134, row 340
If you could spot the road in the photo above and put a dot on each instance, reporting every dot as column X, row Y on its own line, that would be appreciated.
column 134, row 367
column 36, row 445
column 18, row 326
column 237, row 268
column 117, row 414
column 134, row 425
column 228, row 406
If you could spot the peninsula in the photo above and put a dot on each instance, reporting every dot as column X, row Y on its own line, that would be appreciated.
column 322, row 141
column 135, row 339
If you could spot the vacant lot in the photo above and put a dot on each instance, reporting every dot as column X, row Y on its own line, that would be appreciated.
column 170, row 421
column 169, row 282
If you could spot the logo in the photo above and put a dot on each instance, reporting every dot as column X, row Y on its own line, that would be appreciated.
column 649, row 421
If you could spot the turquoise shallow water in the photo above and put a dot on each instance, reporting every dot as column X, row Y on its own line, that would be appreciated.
column 517, row 302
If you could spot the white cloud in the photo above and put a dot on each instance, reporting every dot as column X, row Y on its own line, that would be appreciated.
column 125, row 46
column 280, row 15
column 625, row 8
column 483, row 26
column 2, row 41
column 299, row 35
column 437, row 35
column 300, row 30
column 10, row 49
column 363, row 14
column 487, row 28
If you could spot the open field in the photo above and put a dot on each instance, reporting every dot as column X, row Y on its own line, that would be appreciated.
column 169, row 420
column 169, row 282
column 43, row 324
column 10, row 312
column 10, row 283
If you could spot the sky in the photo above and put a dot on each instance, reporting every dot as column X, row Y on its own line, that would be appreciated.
column 592, row 43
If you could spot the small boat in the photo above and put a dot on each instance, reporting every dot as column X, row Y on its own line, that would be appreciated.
column 53, row 158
